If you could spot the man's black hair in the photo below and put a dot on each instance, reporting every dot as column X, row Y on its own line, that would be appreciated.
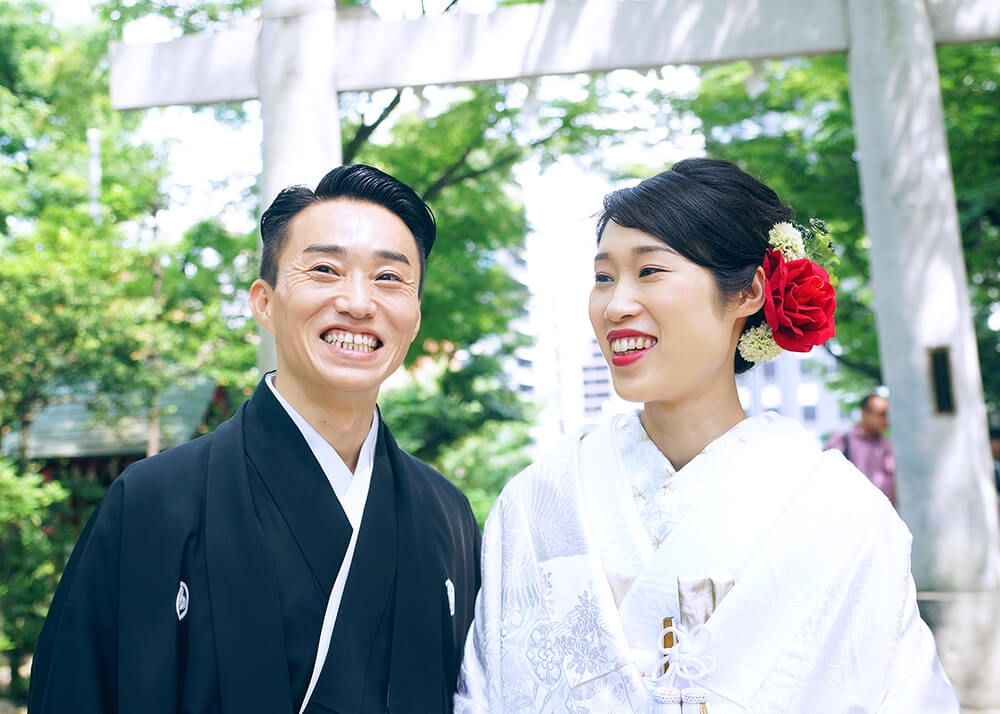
column 357, row 182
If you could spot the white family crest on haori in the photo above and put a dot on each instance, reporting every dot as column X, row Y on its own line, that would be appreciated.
column 449, row 588
column 785, row 574
column 181, row 603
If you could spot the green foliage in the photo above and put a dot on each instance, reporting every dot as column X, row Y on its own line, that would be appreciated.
column 30, row 558
column 187, row 15
column 795, row 131
column 465, row 422
column 484, row 460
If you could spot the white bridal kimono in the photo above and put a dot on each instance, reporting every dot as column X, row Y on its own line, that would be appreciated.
column 786, row 574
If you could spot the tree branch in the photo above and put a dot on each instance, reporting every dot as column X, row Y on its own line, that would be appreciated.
column 447, row 178
column 366, row 130
column 861, row 368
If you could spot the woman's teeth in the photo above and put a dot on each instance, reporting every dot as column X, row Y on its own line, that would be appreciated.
column 628, row 344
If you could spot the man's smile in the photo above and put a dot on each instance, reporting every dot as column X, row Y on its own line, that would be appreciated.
column 352, row 341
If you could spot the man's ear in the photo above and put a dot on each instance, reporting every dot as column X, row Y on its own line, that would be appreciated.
column 752, row 298
column 261, row 302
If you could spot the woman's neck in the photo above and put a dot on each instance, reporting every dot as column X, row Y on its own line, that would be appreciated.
column 682, row 429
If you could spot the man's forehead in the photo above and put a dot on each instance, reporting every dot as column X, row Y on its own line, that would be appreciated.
column 348, row 226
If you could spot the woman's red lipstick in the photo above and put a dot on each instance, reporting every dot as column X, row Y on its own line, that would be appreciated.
column 622, row 359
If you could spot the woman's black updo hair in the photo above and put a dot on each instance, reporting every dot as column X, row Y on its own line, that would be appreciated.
column 711, row 212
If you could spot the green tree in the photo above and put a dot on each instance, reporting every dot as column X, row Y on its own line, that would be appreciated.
column 62, row 272
column 794, row 129
column 30, row 562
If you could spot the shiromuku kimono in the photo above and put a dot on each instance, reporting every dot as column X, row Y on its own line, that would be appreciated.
column 784, row 573
column 204, row 582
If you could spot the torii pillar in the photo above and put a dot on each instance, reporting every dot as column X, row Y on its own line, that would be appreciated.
column 926, row 340
column 296, row 81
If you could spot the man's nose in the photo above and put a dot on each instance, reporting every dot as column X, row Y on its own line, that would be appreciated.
column 355, row 298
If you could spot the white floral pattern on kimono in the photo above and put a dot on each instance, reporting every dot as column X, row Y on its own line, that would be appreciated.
column 579, row 570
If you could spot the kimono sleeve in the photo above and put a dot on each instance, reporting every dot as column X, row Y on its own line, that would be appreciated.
column 75, row 665
column 480, row 671
column 917, row 682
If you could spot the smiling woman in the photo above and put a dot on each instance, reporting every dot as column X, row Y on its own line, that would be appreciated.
column 684, row 555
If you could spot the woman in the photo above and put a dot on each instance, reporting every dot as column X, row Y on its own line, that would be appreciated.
column 685, row 557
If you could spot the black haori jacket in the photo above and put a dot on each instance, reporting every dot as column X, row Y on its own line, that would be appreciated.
column 171, row 602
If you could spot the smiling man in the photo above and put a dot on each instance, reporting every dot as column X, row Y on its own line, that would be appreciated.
column 296, row 559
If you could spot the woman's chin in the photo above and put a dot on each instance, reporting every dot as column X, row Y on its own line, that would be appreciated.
column 630, row 392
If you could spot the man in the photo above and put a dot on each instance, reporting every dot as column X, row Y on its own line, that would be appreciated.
column 867, row 446
column 995, row 452
column 294, row 560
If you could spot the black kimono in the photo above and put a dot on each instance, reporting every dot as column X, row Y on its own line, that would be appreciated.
column 201, row 581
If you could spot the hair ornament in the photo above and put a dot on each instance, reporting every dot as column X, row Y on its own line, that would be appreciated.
column 799, row 298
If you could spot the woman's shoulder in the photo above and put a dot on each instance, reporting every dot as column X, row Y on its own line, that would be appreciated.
column 553, row 476
column 854, row 502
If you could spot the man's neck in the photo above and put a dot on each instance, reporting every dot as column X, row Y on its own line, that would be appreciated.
column 870, row 435
column 343, row 423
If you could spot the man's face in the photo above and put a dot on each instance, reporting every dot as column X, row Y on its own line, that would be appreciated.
column 345, row 306
column 875, row 416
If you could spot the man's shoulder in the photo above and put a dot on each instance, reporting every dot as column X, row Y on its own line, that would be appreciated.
column 177, row 470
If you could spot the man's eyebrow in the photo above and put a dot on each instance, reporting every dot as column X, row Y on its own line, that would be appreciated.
column 341, row 250
column 392, row 255
column 325, row 248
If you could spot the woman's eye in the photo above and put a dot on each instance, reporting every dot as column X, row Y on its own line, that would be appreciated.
column 602, row 278
column 646, row 272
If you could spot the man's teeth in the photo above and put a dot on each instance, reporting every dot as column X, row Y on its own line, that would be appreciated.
column 627, row 344
column 352, row 341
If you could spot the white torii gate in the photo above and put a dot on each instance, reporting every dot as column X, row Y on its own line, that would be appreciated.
column 301, row 52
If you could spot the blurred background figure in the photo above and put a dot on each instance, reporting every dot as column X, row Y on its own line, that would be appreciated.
column 995, row 452
column 867, row 447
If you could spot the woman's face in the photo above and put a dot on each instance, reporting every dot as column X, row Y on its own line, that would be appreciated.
column 660, row 320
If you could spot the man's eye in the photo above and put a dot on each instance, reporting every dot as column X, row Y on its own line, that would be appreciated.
column 389, row 276
column 325, row 269
column 602, row 278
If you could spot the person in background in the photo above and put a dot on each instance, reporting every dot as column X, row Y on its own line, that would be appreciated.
column 995, row 452
column 867, row 447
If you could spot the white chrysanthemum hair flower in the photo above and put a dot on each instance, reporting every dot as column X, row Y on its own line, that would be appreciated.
column 757, row 344
column 786, row 238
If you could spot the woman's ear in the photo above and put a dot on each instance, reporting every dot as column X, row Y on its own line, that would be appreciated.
column 752, row 298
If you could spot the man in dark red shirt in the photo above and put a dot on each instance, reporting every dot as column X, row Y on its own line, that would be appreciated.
column 867, row 446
